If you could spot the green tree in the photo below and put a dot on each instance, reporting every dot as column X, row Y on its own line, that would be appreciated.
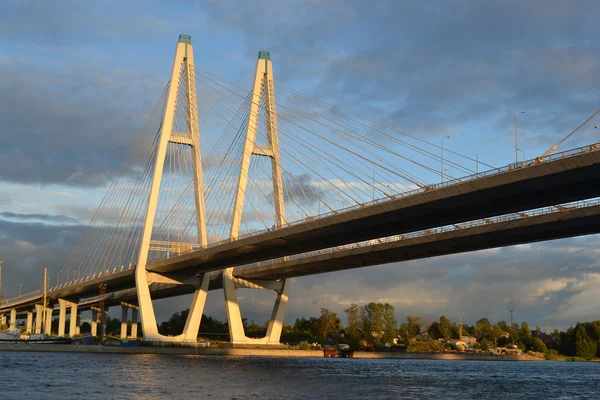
column 538, row 345
column 353, row 317
column 524, row 331
column 328, row 323
column 309, row 325
column 390, row 325
column 483, row 329
column 586, row 349
column 497, row 333
column 484, row 345
column 504, row 326
column 445, row 327
column 85, row 328
column 372, row 317
column 174, row 325
column 411, row 328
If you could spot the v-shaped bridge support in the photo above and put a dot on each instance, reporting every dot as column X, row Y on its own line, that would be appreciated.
column 263, row 96
column 182, row 76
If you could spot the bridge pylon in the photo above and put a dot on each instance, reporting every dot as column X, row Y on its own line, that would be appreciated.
column 182, row 88
column 263, row 97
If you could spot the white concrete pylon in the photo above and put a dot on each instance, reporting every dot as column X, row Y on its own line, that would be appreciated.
column 124, row 312
column 183, row 69
column 48, row 321
column 134, row 323
column 39, row 313
column 29, row 326
column 94, row 324
column 13, row 319
column 263, row 96
column 62, row 317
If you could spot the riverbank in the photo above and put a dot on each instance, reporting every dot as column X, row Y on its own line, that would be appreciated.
column 248, row 352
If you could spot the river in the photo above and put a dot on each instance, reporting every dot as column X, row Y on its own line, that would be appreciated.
column 46, row 376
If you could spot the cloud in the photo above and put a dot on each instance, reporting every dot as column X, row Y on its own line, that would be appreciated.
column 77, row 82
column 38, row 217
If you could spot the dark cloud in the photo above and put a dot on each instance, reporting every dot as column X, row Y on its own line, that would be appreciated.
column 38, row 217
column 72, row 103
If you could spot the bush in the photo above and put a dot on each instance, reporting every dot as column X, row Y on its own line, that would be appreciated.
column 304, row 345
column 586, row 349
column 420, row 347
column 552, row 355
column 538, row 345
column 485, row 345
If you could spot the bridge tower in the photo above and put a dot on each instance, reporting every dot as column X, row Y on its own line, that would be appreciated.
column 182, row 85
column 263, row 96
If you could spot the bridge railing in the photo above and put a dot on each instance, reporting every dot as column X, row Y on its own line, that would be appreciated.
column 467, row 178
column 479, row 175
column 20, row 299
column 427, row 232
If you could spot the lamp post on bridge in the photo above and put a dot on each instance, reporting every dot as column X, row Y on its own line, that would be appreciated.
column 517, row 138
column 20, row 288
column 442, row 155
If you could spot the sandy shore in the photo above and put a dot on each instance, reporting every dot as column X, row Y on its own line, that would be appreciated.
column 246, row 352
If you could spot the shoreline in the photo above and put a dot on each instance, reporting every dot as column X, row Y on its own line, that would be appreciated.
column 249, row 352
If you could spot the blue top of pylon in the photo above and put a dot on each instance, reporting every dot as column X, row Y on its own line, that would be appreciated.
column 264, row 55
column 185, row 39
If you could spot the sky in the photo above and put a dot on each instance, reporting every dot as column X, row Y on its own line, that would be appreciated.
column 79, row 78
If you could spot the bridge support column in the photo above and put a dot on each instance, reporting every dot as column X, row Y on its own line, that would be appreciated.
column 124, row 312
column 29, row 321
column 39, row 311
column 63, row 304
column 13, row 319
column 62, row 316
column 48, row 321
column 78, row 326
column 234, row 317
column 134, row 323
column 74, row 317
column 94, row 323
column 103, row 322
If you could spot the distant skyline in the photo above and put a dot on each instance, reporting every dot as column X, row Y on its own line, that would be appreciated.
column 78, row 79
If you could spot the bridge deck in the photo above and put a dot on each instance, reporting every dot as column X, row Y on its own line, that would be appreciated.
column 502, row 231
column 566, row 177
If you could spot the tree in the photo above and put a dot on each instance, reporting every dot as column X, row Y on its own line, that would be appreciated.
column 372, row 317
column 484, row 345
column 411, row 328
column 174, row 325
column 483, row 328
column 85, row 327
column 538, row 345
column 328, row 323
column 497, row 333
column 434, row 330
column 586, row 349
column 353, row 317
column 309, row 325
column 445, row 327
column 390, row 325
column 504, row 326
column 524, row 331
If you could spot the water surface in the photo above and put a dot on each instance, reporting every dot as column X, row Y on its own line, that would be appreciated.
column 143, row 377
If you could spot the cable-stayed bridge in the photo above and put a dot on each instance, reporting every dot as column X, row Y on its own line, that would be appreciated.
column 229, row 189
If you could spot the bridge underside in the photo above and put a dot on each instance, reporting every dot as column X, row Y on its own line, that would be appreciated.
column 551, row 226
column 552, row 182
